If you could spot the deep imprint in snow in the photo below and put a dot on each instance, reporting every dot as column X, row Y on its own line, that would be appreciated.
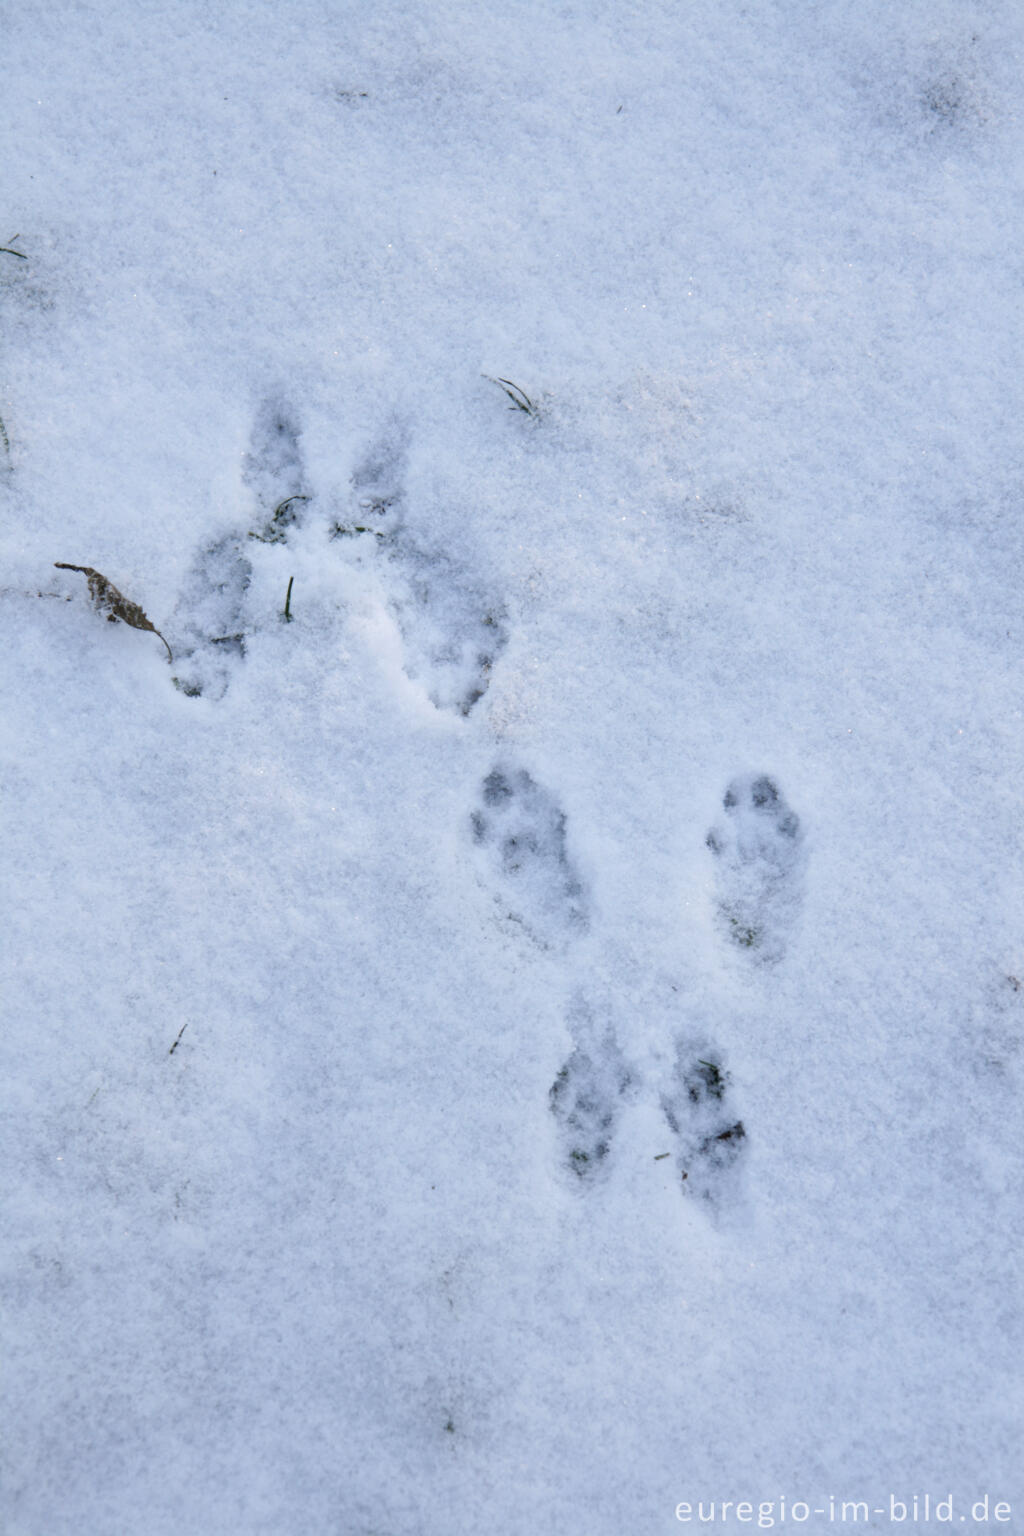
column 758, row 847
column 518, row 831
column 709, row 1138
column 274, row 473
column 453, row 632
column 452, row 629
column 586, row 1100
column 211, row 619
column 378, row 486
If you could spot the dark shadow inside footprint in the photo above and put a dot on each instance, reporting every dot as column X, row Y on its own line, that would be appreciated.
column 376, row 501
column 273, row 472
column 378, row 482
column 720, row 1150
column 211, row 618
column 698, row 1109
column 453, row 630
column 520, row 832
column 759, row 853
column 705, row 1080
column 586, row 1100
column 497, row 788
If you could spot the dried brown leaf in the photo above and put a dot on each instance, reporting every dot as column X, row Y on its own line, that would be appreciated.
column 107, row 599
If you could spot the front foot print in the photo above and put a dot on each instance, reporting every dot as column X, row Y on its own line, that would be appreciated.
column 519, row 833
column 759, row 850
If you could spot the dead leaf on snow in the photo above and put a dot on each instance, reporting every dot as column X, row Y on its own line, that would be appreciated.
column 107, row 599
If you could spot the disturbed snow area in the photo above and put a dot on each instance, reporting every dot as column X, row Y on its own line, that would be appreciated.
column 518, row 1024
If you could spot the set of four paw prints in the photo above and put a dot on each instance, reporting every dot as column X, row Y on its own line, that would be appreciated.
column 453, row 630
column 519, row 833
column 453, row 633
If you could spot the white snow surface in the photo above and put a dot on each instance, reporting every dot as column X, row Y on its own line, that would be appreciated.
column 396, row 1240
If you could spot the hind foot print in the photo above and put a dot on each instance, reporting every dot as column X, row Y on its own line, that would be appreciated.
column 518, row 832
column 586, row 1100
column 709, row 1137
column 760, row 856
column 452, row 630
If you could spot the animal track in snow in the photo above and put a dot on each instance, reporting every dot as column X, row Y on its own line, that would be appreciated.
column 273, row 472
column 211, row 616
column 378, row 486
column 586, row 1100
column 211, row 619
column 519, row 835
column 709, row 1137
column 453, row 630
column 759, row 851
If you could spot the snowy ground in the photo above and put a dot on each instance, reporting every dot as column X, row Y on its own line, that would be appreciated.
column 595, row 919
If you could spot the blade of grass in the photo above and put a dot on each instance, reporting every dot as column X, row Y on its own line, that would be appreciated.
column 520, row 399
